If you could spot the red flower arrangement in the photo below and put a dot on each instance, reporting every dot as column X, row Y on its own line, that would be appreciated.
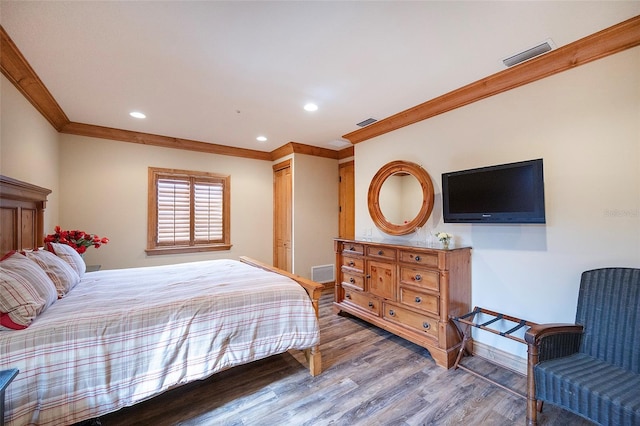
column 79, row 240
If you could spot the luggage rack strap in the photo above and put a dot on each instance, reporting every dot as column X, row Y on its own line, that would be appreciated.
column 469, row 317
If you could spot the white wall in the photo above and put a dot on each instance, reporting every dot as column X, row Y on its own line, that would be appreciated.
column 585, row 124
column 315, row 219
column 28, row 146
column 103, row 187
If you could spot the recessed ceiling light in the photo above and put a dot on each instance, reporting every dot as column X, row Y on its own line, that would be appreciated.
column 261, row 139
column 311, row 107
column 137, row 114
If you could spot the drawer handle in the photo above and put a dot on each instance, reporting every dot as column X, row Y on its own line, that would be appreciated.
column 351, row 280
column 371, row 304
column 426, row 325
column 417, row 258
column 380, row 252
column 418, row 300
column 392, row 313
column 352, row 248
column 418, row 277
column 352, row 263
column 348, row 296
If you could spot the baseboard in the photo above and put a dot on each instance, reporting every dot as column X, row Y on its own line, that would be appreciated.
column 501, row 358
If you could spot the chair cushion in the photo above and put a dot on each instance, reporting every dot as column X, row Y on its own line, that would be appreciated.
column 591, row 388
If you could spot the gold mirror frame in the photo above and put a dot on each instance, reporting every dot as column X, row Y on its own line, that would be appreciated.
column 373, row 199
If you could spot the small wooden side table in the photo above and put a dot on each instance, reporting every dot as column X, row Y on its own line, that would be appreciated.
column 6, row 377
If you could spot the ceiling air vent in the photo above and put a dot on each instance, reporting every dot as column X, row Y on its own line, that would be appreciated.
column 529, row 53
column 366, row 122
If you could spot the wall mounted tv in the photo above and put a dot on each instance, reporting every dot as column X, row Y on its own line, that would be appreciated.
column 506, row 193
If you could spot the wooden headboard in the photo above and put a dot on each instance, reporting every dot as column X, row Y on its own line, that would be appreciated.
column 21, row 214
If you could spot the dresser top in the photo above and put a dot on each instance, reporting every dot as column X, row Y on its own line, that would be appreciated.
column 403, row 244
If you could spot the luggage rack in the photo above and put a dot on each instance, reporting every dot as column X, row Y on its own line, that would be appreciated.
column 468, row 320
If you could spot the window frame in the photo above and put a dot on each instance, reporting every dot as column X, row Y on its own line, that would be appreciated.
column 155, row 248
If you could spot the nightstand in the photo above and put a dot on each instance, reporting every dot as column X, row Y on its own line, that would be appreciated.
column 6, row 377
column 93, row 268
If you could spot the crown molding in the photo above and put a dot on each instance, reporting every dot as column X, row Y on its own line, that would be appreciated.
column 617, row 38
column 15, row 67
column 101, row 132
column 346, row 152
column 299, row 148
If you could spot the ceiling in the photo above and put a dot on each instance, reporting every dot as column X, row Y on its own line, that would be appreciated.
column 227, row 72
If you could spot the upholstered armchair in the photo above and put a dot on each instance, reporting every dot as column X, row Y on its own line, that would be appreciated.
column 592, row 367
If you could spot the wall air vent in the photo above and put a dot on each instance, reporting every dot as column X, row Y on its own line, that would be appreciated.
column 529, row 53
column 322, row 274
column 366, row 122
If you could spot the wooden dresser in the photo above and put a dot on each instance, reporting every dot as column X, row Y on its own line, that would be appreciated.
column 411, row 291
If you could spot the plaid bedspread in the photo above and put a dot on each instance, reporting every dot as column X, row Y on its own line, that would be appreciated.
column 123, row 336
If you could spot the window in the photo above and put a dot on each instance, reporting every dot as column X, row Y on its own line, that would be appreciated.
column 188, row 211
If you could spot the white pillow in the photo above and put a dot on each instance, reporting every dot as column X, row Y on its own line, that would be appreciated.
column 69, row 255
column 64, row 277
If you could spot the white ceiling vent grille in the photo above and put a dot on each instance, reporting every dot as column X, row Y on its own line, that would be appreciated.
column 322, row 274
column 366, row 122
column 529, row 53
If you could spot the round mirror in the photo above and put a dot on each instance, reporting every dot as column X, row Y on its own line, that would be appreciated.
column 400, row 197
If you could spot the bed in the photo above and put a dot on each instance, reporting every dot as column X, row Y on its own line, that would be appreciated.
column 122, row 336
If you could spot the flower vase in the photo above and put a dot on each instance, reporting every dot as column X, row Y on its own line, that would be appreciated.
column 445, row 244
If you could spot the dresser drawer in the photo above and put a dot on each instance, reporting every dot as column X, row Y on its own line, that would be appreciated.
column 363, row 301
column 353, row 248
column 353, row 280
column 417, row 258
column 420, row 277
column 381, row 252
column 424, row 323
column 354, row 263
column 416, row 299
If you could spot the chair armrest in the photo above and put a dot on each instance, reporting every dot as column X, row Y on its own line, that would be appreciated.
column 554, row 340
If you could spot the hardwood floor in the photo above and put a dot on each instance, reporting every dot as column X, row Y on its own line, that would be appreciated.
column 370, row 377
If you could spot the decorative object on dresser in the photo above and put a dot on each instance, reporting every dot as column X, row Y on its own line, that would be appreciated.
column 411, row 291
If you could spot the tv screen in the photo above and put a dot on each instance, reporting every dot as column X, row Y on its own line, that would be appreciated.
column 506, row 193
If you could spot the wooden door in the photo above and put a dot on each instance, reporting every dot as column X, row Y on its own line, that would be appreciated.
column 382, row 279
column 346, row 195
column 282, row 210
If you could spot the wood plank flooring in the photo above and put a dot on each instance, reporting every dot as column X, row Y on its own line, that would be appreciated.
column 370, row 377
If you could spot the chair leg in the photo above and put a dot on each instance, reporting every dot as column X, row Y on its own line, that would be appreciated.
column 532, row 414
column 532, row 402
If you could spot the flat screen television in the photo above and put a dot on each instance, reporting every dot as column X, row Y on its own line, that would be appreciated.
column 505, row 193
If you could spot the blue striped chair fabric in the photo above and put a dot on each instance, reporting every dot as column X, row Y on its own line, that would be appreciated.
column 601, row 381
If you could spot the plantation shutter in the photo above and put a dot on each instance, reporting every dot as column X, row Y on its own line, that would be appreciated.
column 189, row 211
column 174, row 213
column 208, row 208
